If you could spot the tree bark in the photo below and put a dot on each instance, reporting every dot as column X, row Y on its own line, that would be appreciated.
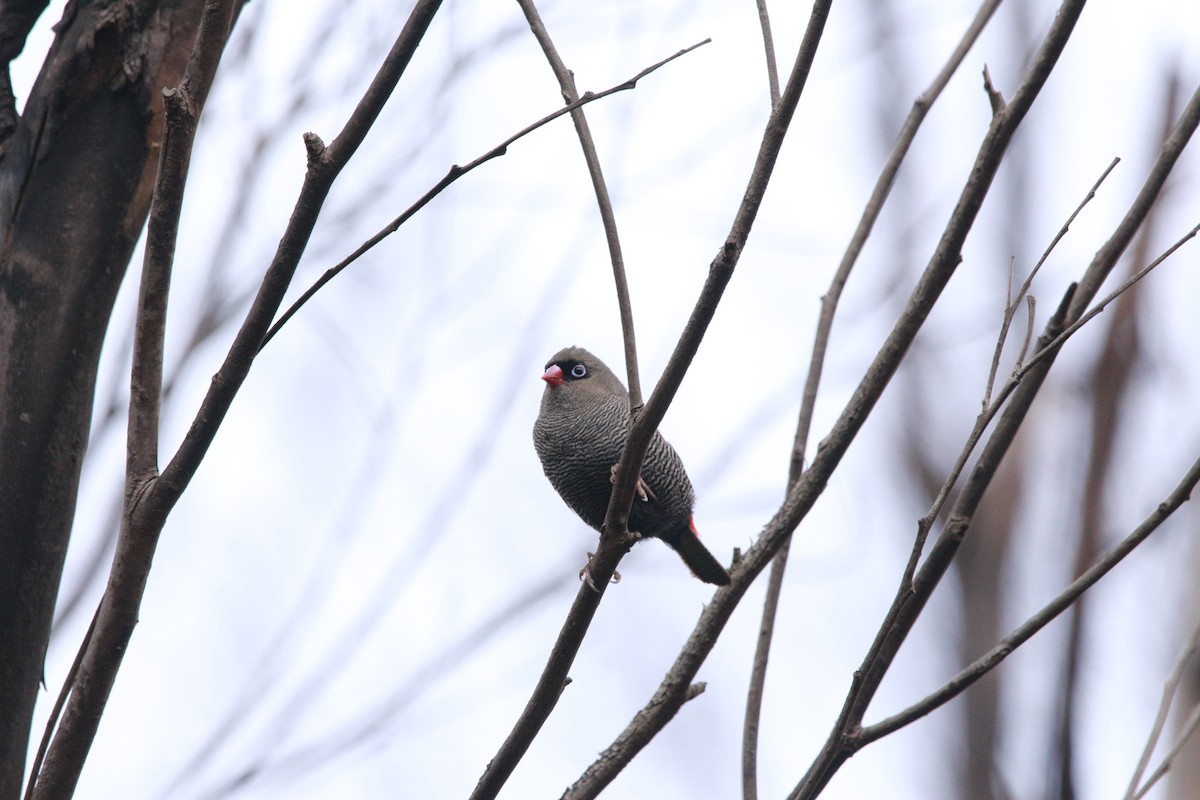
column 75, row 187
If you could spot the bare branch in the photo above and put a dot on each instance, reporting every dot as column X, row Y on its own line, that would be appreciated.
column 992, row 658
column 829, row 303
column 1030, row 316
column 149, row 504
column 909, row 603
column 800, row 500
column 1160, row 720
column 549, row 686
column 1109, row 384
column 995, row 99
column 1188, row 728
column 720, row 272
column 566, row 81
column 56, row 710
column 1106, row 258
column 612, row 547
column 942, row 265
column 1013, row 303
column 1048, row 345
column 673, row 691
column 1051, row 349
column 615, row 540
column 95, row 670
column 764, row 22
column 453, row 174
column 915, row 590
column 990, row 409
column 325, row 163
column 758, row 673
column 184, row 105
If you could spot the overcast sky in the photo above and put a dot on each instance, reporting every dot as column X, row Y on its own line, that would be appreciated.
column 355, row 596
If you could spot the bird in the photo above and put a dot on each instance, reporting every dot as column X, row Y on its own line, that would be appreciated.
column 579, row 434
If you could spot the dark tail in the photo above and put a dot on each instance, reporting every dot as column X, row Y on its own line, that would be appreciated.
column 701, row 562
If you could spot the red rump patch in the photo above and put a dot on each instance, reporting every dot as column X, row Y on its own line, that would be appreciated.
column 692, row 525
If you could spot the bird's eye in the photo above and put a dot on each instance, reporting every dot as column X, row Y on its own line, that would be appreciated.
column 578, row 371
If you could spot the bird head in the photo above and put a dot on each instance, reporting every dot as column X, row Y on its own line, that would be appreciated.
column 575, row 371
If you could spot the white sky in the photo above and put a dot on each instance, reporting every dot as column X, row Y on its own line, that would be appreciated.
column 374, row 498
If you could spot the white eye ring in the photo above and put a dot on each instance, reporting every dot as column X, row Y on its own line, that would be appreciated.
column 578, row 371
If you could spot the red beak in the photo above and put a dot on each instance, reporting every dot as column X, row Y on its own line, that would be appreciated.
column 553, row 376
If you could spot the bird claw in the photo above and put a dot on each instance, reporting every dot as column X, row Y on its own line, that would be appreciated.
column 586, row 574
column 643, row 489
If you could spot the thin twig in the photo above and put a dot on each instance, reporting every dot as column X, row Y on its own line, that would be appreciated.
column 56, row 711
column 1050, row 349
column 1104, row 261
column 758, row 673
column 1014, row 303
column 990, row 408
column 1164, row 709
column 764, row 22
column 1019, row 372
column 453, row 174
column 1033, row 273
column 829, row 303
column 1035, row 623
column 1030, row 316
column 566, row 82
column 1188, row 728
column 1108, row 392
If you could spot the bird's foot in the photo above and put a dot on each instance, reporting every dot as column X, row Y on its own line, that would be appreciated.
column 586, row 574
column 643, row 489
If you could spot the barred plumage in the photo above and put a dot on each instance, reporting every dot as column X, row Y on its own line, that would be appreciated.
column 579, row 434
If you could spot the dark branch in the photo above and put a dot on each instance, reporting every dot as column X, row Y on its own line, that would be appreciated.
column 17, row 18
